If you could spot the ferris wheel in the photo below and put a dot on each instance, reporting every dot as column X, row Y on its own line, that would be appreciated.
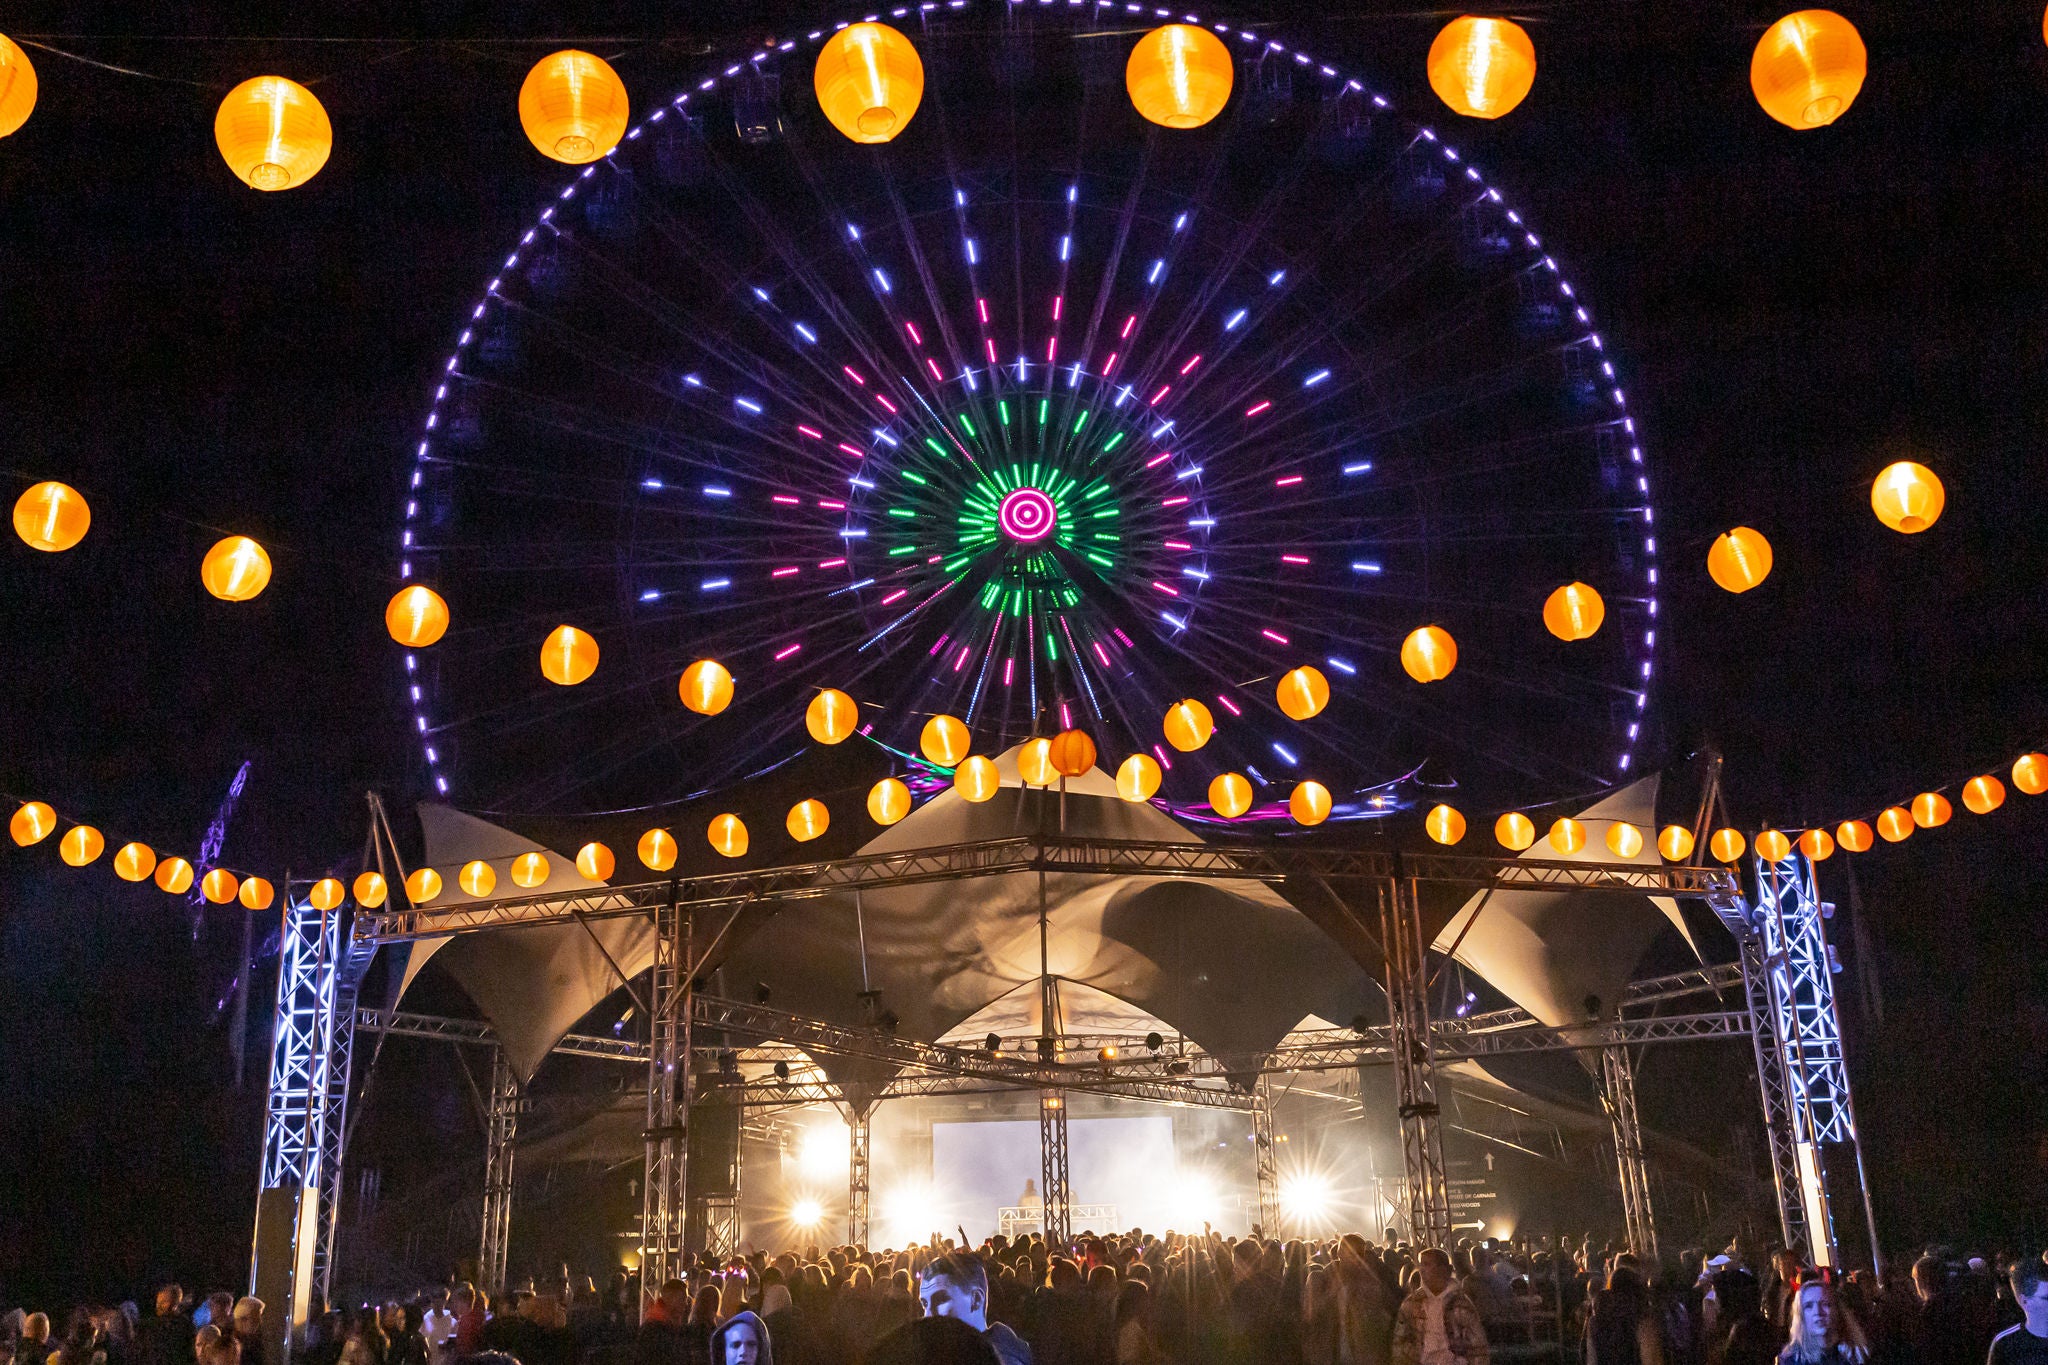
column 1039, row 416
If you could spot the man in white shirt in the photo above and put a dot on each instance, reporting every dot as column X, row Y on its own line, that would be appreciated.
column 437, row 1325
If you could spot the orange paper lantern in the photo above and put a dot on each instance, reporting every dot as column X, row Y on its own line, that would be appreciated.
column 1230, row 795
column 174, row 876
column 273, row 133
column 1675, row 843
column 595, row 863
column 17, row 86
column 706, row 687
column 529, row 870
column 1739, row 559
column 807, row 819
column 1303, row 692
column 1816, row 844
column 831, row 716
column 478, row 878
column 416, row 616
column 1566, row 835
column 1073, row 753
column 33, row 822
column 1034, row 763
column 1429, row 654
column 1482, row 68
column 2030, row 773
column 1444, row 824
column 1807, row 68
column 423, row 885
column 944, row 740
column 80, row 845
column 569, row 656
column 326, row 894
column 869, row 81
column 51, row 517
column 133, row 862
column 1727, row 845
column 1138, row 777
column 573, row 106
column 256, row 894
column 1624, row 840
column 657, row 850
column 1907, row 497
column 976, row 779
column 1855, row 835
column 370, row 889
column 1179, row 76
column 1894, row 823
column 235, row 569
column 1982, row 795
column 888, row 801
column 1573, row 612
column 1188, row 725
column 1773, row 847
column 1515, row 831
column 1931, row 809
column 1309, row 804
column 728, row 834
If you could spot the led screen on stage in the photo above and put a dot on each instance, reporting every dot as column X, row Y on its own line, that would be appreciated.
column 978, row 1168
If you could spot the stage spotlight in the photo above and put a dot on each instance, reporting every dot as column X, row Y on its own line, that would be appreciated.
column 806, row 1213
column 1154, row 1041
column 914, row 1213
column 1178, row 1067
column 1193, row 1201
column 728, row 1064
column 782, row 1071
column 825, row 1149
column 1107, row 1054
column 1305, row 1198
column 1045, row 1049
column 761, row 993
column 993, row 1043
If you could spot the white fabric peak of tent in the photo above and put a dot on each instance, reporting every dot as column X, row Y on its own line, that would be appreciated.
column 1551, row 952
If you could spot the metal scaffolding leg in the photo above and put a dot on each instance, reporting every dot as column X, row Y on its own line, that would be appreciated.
column 1268, row 1158
column 664, row 1200
column 502, row 1130
column 1410, row 1037
column 1775, row 1093
column 1817, row 1110
column 719, row 1214
column 1618, row 1095
column 1052, row 1149
column 859, row 1170
column 305, row 1114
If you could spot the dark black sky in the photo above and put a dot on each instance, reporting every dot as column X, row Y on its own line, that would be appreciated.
column 1792, row 311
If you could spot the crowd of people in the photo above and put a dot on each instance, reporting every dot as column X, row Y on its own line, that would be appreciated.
column 1135, row 1299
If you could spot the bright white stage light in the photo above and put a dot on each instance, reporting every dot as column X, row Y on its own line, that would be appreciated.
column 825, row 1150
column 1305, row 1198
column 1193, row 1200
column 914, row 1213
column 807, row 1213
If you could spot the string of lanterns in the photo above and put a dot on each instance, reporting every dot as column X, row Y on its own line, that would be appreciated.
column 274, row 134
column 82, row 845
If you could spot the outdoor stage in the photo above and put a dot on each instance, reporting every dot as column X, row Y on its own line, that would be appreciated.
column 1370, row 901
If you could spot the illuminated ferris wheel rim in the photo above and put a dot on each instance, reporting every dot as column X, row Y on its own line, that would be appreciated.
column 1614, row 396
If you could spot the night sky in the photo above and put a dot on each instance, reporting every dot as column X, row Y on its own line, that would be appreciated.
column 1791, row 312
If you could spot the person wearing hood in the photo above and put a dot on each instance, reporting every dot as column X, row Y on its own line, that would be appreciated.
column 742, row 1339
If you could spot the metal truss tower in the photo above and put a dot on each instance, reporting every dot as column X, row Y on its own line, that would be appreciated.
column 664, row 1191
column 1052, row 1148
column 859, row 1170
column 1268, row 1158
column 1618, row 1096
column 1802, row 1068
column 306, row 1111
column 501, row 1132
column 1411, row 1041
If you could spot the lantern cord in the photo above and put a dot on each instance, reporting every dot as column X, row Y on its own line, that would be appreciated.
column 117, row 70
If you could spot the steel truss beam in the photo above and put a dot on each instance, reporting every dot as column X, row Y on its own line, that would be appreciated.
column 1056, row 1170
column 1051, row 853
column 1267, row 1157
column 1618, row 1096
column 500, row 1148
column 859, row 1171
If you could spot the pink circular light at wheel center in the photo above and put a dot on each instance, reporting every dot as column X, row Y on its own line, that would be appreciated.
column 1027, row 515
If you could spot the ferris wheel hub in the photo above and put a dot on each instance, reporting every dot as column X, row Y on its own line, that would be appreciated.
column 1027, row 515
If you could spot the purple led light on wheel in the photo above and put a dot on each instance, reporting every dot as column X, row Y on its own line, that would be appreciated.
column 1027, row 515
